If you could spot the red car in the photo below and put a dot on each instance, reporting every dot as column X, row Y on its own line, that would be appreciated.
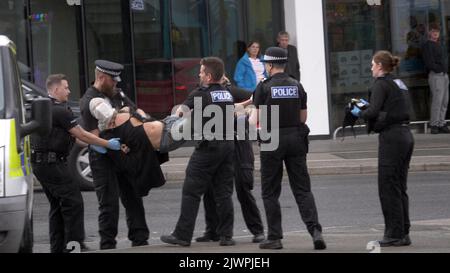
column 159, row 90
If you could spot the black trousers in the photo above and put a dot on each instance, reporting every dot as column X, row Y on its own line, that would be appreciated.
column 109, row 187
column 244, row 182
column 66, row 216
column 396, row 146
column 211, row 165
column 292, row 151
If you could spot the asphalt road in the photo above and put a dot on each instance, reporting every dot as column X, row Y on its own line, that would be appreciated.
column 343, row 202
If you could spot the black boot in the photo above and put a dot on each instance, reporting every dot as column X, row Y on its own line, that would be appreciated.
column 170, row 239
column 271, row 244
column 207, row 237
column 226, row 241
column 319, row 242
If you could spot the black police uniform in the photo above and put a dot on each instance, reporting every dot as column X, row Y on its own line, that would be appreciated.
column 49, row 161
column 389, row 114
column 210, row 164
column 243, row 161
column 111, row 184
column 289, row 95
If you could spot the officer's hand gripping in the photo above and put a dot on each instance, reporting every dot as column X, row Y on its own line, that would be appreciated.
column 98, row 149
column 114, row 144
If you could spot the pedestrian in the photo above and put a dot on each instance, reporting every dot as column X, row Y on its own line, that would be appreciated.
column 282, row 93
column 109, row 183
column 435, row 58
column 49, row 162
column 243, row 163
column 293, row 65
column 388, row 114
column 250, row 70
column 211, row 164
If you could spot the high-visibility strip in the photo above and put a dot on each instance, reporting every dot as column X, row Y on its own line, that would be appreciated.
column 15, row 166
column 27, row 153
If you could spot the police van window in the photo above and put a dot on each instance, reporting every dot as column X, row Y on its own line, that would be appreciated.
column 17, row 96
column 2, row 93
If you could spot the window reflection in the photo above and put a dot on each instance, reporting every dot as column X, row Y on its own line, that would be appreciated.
column 189, row 29
column 226, row 20
column 355, row 31
column 152, row 58
column 409, row 31
column 190, row 43
column 263, row 24
column 108, row 37
column 13, row 24
column 55, row 42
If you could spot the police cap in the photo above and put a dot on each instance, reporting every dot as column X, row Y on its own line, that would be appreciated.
column 275, row 55
column 109, row 68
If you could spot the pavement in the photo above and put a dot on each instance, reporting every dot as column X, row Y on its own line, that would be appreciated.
column 426, row 236
column 334, row 157
column 349, row 156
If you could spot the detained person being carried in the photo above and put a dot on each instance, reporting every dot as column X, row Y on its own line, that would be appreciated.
column 142, row 142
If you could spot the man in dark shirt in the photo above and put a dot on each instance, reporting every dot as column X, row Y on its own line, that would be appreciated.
column 211, row 164
column 110, row 184
column 49, row 160
column 293, row 65
column 286, row 95
column 436, row 64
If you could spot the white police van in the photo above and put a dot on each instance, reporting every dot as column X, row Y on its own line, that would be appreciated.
column 16, row 178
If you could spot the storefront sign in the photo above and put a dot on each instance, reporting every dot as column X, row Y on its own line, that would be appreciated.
column 73, row 2
column 137, row 5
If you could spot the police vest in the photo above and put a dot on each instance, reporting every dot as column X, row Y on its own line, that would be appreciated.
column 59, row 140
column 397, row 105
column 287, row 94
column 220, row 96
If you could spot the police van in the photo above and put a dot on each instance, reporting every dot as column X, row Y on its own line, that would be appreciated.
column 16, row 178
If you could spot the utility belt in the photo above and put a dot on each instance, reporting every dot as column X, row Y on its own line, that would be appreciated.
column 302, row 130
column 47, row 157
column 396, row 125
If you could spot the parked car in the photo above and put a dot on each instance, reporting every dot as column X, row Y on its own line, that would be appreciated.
column 78, row 159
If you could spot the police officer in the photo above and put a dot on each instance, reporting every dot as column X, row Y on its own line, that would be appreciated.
column 49, row 161
column 244, row 161
column 109, row 183
column 289, row 96
column 388, row 114
column 211, row 164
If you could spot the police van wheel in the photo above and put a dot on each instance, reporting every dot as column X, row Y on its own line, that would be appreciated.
column 26, row 245
column 79, row 167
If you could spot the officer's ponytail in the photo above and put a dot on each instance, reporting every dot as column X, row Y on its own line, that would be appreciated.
column 387, row 60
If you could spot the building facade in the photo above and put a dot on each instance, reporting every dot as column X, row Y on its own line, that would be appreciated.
column 337, row 38
column 160, row 42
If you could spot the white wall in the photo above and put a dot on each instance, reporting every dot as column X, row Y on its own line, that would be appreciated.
column 305, row 24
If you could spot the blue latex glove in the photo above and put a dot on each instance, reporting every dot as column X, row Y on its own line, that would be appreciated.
column 114, row 144
column 363, row 101
column 98, row 149
column 356, row 112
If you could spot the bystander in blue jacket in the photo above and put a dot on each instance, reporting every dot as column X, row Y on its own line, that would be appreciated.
column 250, row 70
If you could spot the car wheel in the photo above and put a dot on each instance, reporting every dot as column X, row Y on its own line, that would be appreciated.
column 79, row 167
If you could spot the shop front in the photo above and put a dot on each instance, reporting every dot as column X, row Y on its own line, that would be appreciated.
column 159, row 42
column 356, row 29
